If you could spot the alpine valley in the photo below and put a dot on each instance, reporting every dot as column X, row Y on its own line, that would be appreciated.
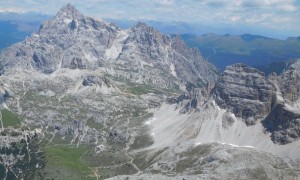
column 84, row 99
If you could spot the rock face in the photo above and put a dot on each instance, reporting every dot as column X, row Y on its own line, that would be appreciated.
column 69, row 40
column 283, row 123
column 288, row 82
column 72, row 40
column 284, row 120
column 92, row 80
column 246, row 92
column 251, row 96
column 136, row 101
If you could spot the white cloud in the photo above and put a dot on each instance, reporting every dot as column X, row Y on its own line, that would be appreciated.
column 235, row 18
column 165, row 2
column 12, row 9
column 286, row 5
column 255, row 13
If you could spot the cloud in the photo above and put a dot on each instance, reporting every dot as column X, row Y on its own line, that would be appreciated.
column 235, row 18
column 285, row 5
column 264, row 14
column 12, row 9
column 165, row 2
column 288, row 7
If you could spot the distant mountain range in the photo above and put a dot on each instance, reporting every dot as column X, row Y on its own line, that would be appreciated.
column 253, row 50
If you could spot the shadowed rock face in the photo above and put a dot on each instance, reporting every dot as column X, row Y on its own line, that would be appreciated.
column 246, row 92
column 284, row 119
column 93, row 80
column 284, row 124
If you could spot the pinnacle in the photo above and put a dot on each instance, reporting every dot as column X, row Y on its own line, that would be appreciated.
column 69, row 10
column 68, row 7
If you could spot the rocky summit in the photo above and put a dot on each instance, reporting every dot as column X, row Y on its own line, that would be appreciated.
column 71, row 40
column 83, row 99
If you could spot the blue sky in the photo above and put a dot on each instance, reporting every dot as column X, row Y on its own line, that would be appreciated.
column 278, row 16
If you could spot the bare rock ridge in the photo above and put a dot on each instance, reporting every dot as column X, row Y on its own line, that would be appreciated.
column 72, row 40
column 140, row 103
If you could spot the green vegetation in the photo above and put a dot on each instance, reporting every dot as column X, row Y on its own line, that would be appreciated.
column 140, row 89
column 186, row 163
column 257, row 173
column 10, row 119
column 30, row 158
column 108, row 172
column 34, row 96
column 64, row 162
column 191, row 158
column 145, row 159
column 142, row 141
column 92, row 124
column 198, row 151
column 58, row 139
column 105, row 158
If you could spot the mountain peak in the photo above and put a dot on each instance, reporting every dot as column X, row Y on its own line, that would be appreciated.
column 68, row 11
column 141, row 25
column 144, row 27
column 67, row 18
column 67, row 8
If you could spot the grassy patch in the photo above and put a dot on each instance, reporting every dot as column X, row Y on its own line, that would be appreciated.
column 140, row 89
column 34, row 96
column 110, row 157
column 183, row 164
column 92, row 124
column 124, row 169
column 198, row 151
column 64, row 162
column 257, row 173
column 146, row 159
column 10, row 119
column 142, row 141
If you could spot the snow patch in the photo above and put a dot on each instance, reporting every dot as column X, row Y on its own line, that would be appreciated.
column 150, row 121
column 173, row 72
column 67, row 20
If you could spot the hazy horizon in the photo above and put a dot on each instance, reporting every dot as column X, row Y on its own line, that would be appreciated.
column 272, row 18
